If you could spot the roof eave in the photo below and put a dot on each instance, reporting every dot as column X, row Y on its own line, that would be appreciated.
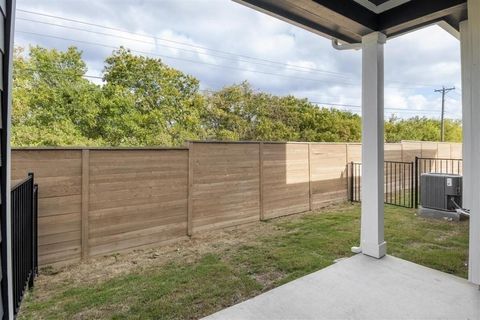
column 333, row 20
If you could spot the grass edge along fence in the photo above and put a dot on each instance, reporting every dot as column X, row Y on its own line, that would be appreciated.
column 99, row 201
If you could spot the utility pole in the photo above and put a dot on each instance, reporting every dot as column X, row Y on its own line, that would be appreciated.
column 444, row 91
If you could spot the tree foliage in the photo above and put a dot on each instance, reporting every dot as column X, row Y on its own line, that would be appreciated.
column 239, row 113
column 53, row 103
column 421, row 129
column 144, row 102
column 148, row 102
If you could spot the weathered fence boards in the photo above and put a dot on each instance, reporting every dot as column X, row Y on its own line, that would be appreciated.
column 327, row 173
column 410, row 150
column 101, row 201
column 456, row 151
column 136, row 198
column 226, row 186
column 429, row 150
column 393, row 152
column 59, row 174
column 285, row 180
column 354, row 152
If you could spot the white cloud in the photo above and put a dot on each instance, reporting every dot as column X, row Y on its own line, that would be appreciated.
column 415, row 64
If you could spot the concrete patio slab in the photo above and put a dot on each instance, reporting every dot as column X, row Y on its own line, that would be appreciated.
column 361, row 287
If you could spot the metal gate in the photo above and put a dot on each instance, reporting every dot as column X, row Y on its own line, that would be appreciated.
column 399, row 185
column 402, row 179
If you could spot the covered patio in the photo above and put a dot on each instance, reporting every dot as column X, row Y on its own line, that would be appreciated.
column 372, row 285
column 362, row 287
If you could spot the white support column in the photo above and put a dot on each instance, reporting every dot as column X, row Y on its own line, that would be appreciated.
column 466, row 125
column 470, row 48
column 372, row 234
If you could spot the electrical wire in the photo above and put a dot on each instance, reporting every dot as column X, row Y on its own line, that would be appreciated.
column 187, row 60
column 196, row 61
column 179, row 42
column 287, row 66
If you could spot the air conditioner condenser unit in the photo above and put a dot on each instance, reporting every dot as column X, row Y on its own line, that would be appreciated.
column 440, row 195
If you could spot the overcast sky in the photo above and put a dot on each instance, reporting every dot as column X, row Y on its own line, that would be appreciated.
column 221, row 42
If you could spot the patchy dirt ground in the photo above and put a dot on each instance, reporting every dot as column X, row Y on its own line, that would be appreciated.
column 106, row 267
column 191, row 278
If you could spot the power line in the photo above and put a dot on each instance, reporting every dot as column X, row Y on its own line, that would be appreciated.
column 358, row 106
column 193, row 61
column 293, row 67
column 289, row 67
column 213, row 91
column 353, row 106
column 63, row 72
column 187, row 60
column 178, row 42
column 392, row 110
column 336, row 104
column 347, row 105
column 457, row 93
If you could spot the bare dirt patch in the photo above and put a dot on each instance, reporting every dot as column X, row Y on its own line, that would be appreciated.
column 99, row 269
column 103, row 268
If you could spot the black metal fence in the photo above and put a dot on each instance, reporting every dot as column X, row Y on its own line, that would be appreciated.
column 24, row 202
column 434, row 165
column 399, row 186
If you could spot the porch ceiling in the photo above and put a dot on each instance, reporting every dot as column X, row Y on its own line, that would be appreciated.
column 349, row 20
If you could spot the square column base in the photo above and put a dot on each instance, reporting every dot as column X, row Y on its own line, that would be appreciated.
column 374, row 250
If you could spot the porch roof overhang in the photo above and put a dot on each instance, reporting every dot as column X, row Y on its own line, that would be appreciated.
column 349, row 20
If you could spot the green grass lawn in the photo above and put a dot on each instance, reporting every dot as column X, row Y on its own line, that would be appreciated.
column 213, row 274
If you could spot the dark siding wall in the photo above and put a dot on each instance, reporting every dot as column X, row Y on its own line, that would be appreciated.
column 7, row 10
column 2, row 186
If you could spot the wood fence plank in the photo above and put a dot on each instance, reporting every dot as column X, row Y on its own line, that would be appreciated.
column 85, row 200
column 191, row 158
column 260, row 166
column 101, row 201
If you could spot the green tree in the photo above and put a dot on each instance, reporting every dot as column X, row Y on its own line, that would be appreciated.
column 421, row 129
column 239, row 113
column 148, row 103
column 144, row 102
column 52, row 103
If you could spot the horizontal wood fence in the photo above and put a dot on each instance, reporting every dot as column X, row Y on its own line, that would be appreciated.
column 101, row 201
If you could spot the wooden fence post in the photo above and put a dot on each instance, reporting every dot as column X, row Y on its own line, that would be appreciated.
column 85, row 200
column 190, row 189
column 260, row 172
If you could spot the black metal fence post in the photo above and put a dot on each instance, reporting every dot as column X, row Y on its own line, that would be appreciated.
column 352, row 177
column 412, row 188
column 416, row 183
column 24, row 209
column 35, row 238
column 32, row 230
